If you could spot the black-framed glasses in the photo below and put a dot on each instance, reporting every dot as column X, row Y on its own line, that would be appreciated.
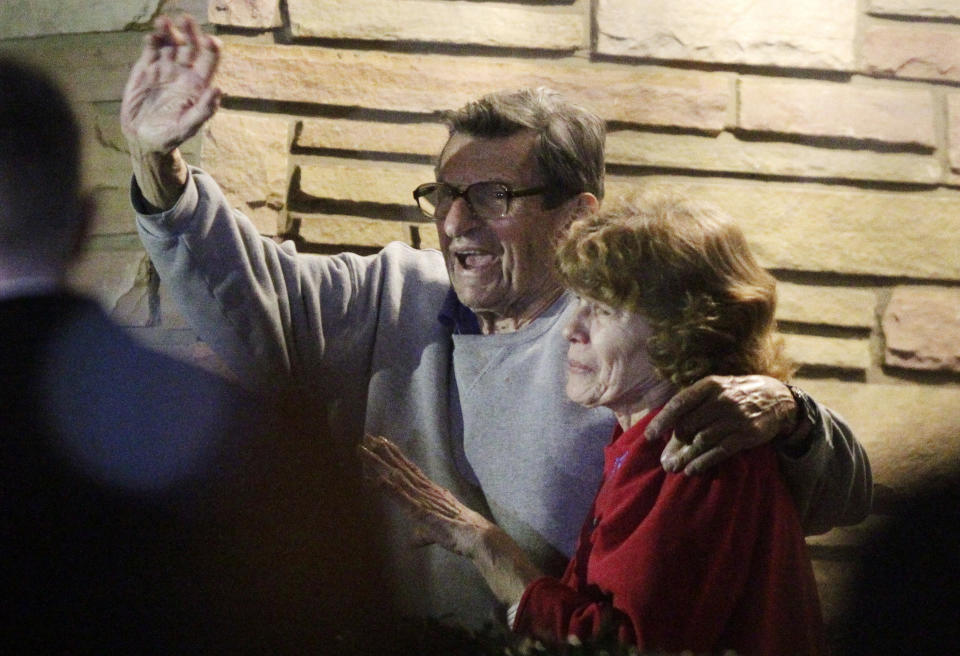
column 487, row 200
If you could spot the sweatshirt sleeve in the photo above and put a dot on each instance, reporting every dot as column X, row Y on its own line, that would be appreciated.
column 831, row 482
column 264, row 308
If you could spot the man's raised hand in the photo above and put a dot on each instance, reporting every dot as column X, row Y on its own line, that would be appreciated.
column 170, row 92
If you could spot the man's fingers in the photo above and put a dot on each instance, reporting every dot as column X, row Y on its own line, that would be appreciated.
column 185, row 44
column 208, row 56
column 150, row 53
column 675, row 455
column 169, row 94
column 161, row 32
column 193, row 41
column 187, row 54
column 168, row 35
column 662, row 425
column 713, row 434
column 678, row 454
column 174, row 34
column 682, row 404
column 711, row 458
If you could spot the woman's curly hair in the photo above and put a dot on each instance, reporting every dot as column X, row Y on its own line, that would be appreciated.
column 686, row 267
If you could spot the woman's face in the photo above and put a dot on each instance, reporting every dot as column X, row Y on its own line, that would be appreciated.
column 607, row 359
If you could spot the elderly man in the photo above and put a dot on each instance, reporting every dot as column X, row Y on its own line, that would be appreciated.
column 474, row 395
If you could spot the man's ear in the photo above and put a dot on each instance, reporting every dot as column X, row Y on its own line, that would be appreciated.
column 587, row 204
column 580, row 206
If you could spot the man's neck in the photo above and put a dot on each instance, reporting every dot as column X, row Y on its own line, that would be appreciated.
column 492, row 324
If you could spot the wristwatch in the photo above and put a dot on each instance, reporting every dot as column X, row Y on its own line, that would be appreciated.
column 796, row 442
column 806, row 408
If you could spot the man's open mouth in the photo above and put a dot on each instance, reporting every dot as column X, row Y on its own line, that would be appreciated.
column 474, row 259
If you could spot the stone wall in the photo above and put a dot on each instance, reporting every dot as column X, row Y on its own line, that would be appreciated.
column 830, row 128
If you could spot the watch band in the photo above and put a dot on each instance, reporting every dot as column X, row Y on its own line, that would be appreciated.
column 806, row 409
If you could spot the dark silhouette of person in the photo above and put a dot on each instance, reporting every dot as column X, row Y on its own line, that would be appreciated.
column 906, row 595
column 146, row 505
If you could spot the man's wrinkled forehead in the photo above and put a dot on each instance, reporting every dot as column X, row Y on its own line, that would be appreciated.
column 454, row 143
column 511, row 154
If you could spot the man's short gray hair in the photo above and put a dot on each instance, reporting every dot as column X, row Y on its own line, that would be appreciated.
column 570, row 139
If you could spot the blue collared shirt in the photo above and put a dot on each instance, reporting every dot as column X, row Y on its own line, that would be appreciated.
column 457, row 316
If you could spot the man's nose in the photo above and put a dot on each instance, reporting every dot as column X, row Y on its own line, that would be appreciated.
column 459, row 219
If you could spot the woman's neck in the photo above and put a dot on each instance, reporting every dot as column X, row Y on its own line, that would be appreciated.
column 654, row 396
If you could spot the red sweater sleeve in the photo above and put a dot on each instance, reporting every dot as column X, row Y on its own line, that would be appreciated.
column 672, row 562
column 551, row 610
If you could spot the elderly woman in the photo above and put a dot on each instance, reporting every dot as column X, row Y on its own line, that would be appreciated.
column 669, row 293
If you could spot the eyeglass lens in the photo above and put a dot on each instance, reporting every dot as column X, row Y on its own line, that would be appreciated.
column 487, row 199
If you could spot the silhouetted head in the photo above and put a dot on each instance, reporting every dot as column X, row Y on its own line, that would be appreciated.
column 42, row 214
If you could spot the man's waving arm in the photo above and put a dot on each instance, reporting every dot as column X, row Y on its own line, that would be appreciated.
column 168, row 97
